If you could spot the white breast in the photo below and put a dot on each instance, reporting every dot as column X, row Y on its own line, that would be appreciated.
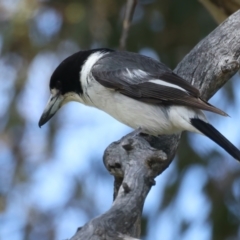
column 150, row 118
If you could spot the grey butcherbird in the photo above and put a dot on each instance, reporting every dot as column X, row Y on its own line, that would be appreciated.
column 136, row 90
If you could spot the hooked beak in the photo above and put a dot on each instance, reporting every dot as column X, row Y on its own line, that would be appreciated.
column 54, row 103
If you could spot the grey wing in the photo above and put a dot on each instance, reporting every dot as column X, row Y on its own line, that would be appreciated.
column 147, row 80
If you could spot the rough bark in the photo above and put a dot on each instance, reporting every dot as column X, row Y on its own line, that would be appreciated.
column 136, row 160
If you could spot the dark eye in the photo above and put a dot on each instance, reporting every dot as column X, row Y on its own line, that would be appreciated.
column 58, row 85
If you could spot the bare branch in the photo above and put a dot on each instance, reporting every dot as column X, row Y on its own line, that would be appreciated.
column 128, row 15
column 136, row 160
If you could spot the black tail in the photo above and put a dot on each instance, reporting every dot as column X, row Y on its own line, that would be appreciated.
column 216, row 136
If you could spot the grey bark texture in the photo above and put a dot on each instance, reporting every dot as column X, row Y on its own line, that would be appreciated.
column 137, row 159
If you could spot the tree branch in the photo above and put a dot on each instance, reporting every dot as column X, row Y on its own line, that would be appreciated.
column 128, row 15
column 136, row 160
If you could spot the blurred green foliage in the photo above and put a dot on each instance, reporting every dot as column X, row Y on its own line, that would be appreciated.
column 31, row 28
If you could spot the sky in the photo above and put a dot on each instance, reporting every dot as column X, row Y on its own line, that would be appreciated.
column 83, row 134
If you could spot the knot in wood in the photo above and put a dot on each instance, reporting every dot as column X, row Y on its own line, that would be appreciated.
column 126, row 188
column 155, row 161
column 115, row 169
column 230, row 66
column 128, row 145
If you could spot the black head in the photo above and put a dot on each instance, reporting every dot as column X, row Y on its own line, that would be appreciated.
column 65, row 84
column 66, row 76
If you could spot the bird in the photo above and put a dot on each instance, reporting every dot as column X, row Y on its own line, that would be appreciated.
column 138, row 91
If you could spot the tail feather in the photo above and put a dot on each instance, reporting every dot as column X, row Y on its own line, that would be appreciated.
column 208, row 130
column 208, row 107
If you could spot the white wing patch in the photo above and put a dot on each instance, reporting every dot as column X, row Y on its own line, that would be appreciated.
column 142, row 74
column 129, row 73
column 135, row 73
column 163, row 83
